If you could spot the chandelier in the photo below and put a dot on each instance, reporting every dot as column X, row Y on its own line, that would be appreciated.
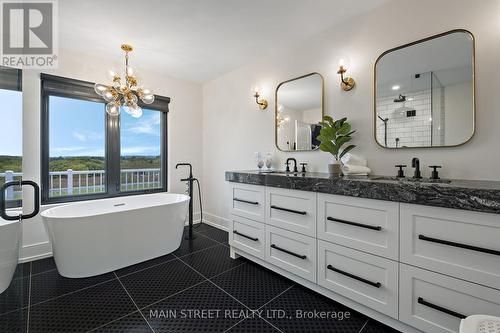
column 125, row 92
column 280, row 119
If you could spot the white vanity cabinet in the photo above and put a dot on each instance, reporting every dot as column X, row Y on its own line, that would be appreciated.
column 291, row 210
column 364, row 224
column 416, row 268
column 458, row 243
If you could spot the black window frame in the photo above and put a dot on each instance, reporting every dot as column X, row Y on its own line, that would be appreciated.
column 52, row 85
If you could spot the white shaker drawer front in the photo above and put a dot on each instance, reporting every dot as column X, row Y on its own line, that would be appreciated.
column 435, row 303
column 292, row 210
column 247, row 235
column 248, row 201
column 293, row 252
column 458, row 243
column 364, row 224
column 364, row 278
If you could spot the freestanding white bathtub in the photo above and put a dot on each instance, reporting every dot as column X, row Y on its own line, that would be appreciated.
column 95, row 237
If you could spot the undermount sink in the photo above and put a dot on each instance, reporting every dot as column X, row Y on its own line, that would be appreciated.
column 413, row 180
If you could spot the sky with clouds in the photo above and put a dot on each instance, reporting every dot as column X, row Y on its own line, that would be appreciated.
column 77, row 128
column 11, row 140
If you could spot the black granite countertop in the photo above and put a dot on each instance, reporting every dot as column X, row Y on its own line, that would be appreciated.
column 480, row 196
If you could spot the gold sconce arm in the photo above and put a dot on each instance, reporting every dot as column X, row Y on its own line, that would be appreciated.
column 346, row 83
column 262, row 103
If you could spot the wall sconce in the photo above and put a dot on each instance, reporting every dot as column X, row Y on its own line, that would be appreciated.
column 262, row 102
column 347, row 83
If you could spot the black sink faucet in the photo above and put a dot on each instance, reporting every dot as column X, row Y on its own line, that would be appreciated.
column 415, row 163
column 294, row 164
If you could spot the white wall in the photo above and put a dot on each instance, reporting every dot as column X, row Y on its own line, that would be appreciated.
column 184, row 129
column 234, row 127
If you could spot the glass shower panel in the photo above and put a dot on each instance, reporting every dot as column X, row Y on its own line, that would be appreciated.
column 14, row 278
column 438, row 111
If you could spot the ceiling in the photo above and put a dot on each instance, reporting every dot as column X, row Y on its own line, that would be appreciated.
column 197, row 40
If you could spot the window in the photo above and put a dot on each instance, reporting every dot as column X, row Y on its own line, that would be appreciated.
column 87, row 154
column 77, row 159
column 11, row 133
column 140, row 161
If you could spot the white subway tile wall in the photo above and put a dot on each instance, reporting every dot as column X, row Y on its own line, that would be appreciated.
column 415, row 131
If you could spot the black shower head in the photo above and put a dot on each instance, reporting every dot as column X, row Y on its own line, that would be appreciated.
column 384, row 120
column 400, row 99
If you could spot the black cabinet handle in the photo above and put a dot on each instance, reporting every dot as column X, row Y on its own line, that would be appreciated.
column 460, row 245
column 36, row 209
column 288, row 252
column 289, row 210
column 440, row 308
column 355, row 277
column 367, row 226
column 246, row 201
column 243, row 235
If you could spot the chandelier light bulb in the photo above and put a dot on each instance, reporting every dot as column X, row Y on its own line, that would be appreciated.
column 109, row 95
column 100, row 89
column 148, row 99
column 113, row 109
column 136, row 112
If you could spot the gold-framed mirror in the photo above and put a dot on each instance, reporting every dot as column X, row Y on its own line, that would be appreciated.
column 299, row 106
column 424, row 94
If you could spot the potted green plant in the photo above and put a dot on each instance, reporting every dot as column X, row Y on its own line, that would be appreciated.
column 334, row 135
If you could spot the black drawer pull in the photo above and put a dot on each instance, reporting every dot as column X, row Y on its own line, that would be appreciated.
column 440, row 308
column 288, row 252
column 243, row 235
column 246, row 201
column 372, row 227
column 355, row 277
column 288, row 210
column 460, row 245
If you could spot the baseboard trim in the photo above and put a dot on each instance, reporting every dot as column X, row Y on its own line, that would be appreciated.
column 35, row 251
column 216, row 221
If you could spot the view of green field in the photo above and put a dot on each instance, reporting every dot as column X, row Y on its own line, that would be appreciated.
column 82, row 163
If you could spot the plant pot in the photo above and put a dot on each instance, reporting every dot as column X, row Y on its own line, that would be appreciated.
column 335, row 168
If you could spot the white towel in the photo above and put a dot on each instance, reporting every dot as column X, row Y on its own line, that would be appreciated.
column 351, row 159
column 355, row 170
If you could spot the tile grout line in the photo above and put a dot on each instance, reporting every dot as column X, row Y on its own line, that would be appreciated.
column 73, row 292
column 135, row 304
column 145, row 268
column 272, row 325
column 29, row 302
column 217, row 275
column 230, row 328
column 40, row 273
column 216, row 285
column 174, row 294
column 109, row 322
column 275, row 297
column 206, row 236
column 362, row 328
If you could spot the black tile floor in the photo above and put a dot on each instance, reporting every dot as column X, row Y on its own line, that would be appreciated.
column 198, row 288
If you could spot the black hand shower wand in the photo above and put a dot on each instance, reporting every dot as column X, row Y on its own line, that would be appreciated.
column 385, row 128
column 190, row 180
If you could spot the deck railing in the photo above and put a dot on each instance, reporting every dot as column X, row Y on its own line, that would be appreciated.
column 71, row 182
